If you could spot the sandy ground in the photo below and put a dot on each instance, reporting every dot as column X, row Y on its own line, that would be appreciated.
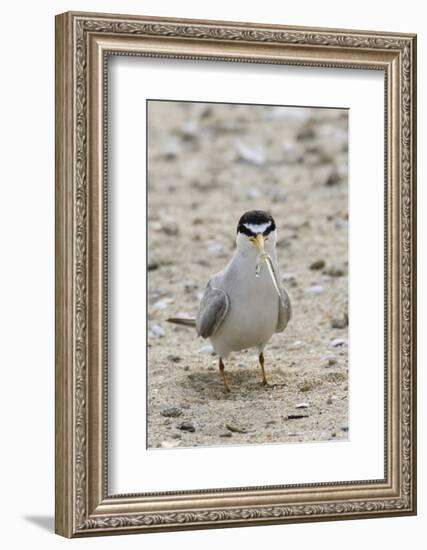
column 208, row 164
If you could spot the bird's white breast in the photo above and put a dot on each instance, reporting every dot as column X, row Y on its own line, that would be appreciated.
column 254, row 307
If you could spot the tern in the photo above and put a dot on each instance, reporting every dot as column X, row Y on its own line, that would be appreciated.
column 244, row 305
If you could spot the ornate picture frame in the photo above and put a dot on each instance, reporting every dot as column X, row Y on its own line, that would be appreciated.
column 84, row 41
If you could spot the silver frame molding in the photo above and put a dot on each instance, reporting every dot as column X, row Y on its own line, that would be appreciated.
column 83, row 43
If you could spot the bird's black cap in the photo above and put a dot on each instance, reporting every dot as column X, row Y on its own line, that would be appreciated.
column 254, row 218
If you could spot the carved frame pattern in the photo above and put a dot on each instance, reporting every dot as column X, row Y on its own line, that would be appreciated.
column 82, row 505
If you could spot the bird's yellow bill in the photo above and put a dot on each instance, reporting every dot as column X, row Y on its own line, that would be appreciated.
column 259, row 242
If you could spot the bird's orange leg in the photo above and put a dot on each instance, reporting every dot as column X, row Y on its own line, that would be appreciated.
column 222, row 375
column 261, row 362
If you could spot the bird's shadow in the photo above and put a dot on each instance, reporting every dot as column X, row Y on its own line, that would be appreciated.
column 44, row 522
column 243, row 383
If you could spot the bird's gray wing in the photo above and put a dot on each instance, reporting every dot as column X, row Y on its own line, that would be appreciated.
column 213, row 308
column 285, row 311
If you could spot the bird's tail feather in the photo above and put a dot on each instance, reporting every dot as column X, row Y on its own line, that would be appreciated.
column 185, row 321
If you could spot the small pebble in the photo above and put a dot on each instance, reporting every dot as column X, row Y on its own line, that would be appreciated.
column 334, row 271
column 170, row 228
column 174, row 358
column 169, row 444
column 186, row 427
column 318, row 264
column 205, row 349
column 252, row 154
column 171, row 412
column 236, row 429
column 314, row 290
column 163, row 303
column 295, row 345
column 189, row 286
column 302, row 406
column 340, row 322
column 171, row 150
column 330, row 360
column 155, row 331
column 338, row 342
column 333, row 179
column 152, row 266
column 189, row 130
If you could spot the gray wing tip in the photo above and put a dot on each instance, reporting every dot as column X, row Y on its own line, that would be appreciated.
column 285, row 311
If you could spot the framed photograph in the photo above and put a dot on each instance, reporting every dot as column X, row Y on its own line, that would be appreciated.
column 235, row 274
